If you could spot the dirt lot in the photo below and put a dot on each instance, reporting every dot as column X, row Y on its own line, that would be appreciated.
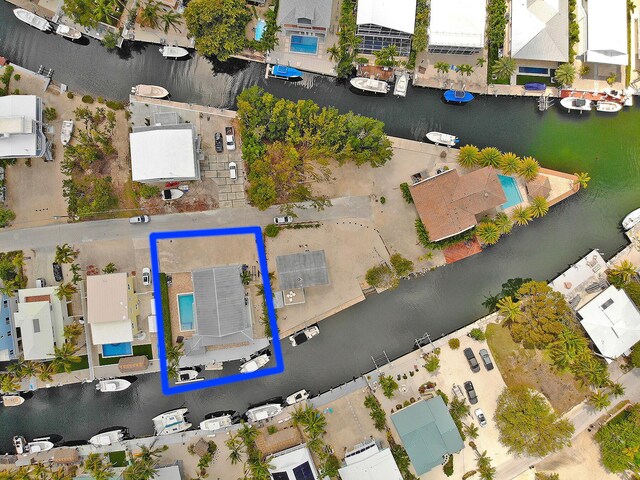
column 530, row 368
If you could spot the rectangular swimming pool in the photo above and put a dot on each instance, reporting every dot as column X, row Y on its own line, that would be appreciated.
column 304, row 44
column 185, row 311
column 511, row 191
column 534, row 70
column 117, row 349
column 260, row 26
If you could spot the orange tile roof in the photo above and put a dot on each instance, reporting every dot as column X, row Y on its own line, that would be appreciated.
column 449, row 202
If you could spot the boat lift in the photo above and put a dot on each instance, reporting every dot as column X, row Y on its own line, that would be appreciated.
column 545, row 102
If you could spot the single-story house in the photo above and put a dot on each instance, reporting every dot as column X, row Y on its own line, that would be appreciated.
column 21, row 133
column 382, row 23
column 456, row 26
column 305, row 17
column 293, row 464
column 366, row 461
column 540, row 30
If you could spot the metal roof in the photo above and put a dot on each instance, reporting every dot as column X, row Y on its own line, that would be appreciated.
column 540, row 30
column 300, row 270
column 607, row 32
column 398, row 15
column 457, row 23
column 317, row 11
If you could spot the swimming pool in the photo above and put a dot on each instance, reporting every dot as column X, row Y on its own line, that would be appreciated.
column 260, row 29
column 534, row 70
column 511, row 191
column 304, row 44
column 185, row 311
column 117, row 349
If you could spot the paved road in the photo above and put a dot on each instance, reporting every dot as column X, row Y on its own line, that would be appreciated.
column 83, row 232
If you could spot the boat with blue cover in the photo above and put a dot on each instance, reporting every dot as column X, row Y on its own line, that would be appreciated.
column 285, row 72
column 458, row 96
column 535, row 86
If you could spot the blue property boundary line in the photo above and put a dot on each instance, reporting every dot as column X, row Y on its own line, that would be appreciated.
column 256, row 231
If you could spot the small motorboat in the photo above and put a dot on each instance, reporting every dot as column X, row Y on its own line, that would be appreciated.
column 534, row 86
column 613, row 93
column 37, row 445
column 109, row 436
column 631, row 220
column 174, row 52
column 370, row 85
column 169, row 194
column 150, row 91
column 400, row 88
column 173, row 421
column 219, row 420
column 263, row 412
column 302, row 336
column 113, row 385
column 607, row 106
column 297, row 397
column 442, row 139
column 186, row 375
column 68, row 32
column 12, row 400
column 458, row 96
column 285, row 72
column 66, row 132
column 32, row 19
column 574, row 103
column 255, row 363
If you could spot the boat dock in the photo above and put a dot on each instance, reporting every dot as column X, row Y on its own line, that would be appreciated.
column 587, row 95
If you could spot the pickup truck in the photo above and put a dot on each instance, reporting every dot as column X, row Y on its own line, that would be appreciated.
column 230, row 137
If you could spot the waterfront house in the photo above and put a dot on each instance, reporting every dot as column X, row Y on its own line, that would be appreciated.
column 450, row 203
column 112, row 312
column 307, row 18
column 456, row 26
column 607, row 32
column 382, row 23
column 366, row 461
column 293, row 464
column 582, row 280
column 21, row 133
column 40, row 322
column 8, row 338
column 428, row 433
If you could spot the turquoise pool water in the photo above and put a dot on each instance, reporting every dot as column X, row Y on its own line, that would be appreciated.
column 117, row 349
column 304, row 44
column 260, row 29
column 185, row 310
column 510, row 190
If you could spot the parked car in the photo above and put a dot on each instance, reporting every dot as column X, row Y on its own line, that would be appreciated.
column 471, row 392
column 57, row 272
column 233, row 170
column 140, row 219
column 481, row 418
column 219, row 142
column 231, row 138
column 41, row 282
column 283, row 219
column 146, row 276
column 486, row 359
column 473, row 361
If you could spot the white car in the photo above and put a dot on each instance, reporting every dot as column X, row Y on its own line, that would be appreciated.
column 233, row 170
column 481, row 418
column 146, row 276
column 283, row 219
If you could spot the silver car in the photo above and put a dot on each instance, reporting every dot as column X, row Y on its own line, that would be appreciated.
column 481, row 418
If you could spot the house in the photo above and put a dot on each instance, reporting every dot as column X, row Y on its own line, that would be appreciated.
column 582, row 279
column 40, row 322
column 292, row 464
column 112, row 308
column 612, row 321
column 450, row 203
column 607, row 32
column 366, row 461
column 382, row 23
column 21, row 133
column 310, row 18
column 428, row 433
column 8, row 337
column 456, row 26
column 540, row 30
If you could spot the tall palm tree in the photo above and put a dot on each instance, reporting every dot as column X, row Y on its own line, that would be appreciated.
column 170, row 19
column 65, row 253
column 147, row 453
column 480, row 62
column 582, row 179
column 490, row 157
column 150, row 15
column 458, row 408
column 565, row 74
column 521, row 215
column 66, row 290
column 28, row 369
column 509, row 163
column 465, row 69
column 334, row 53
column 248, row 434
column 468, row 156
column 488, row 233
column 599, row 400
column 503, row 222
column 73, row 331
column 315, row 423
column 528, row 168
column 46, row 371
column 470, row 430
column 509, row 309
column 140, row 469
column 539, row 207
column 9, row 383
column 617, row 389
column 64, row 357
column 504, row 68
column 625, row 270
column 99, row 469
column 234, row 444
column 9, row 287
column 39, row 471
column 442, row 67
column 260, row 468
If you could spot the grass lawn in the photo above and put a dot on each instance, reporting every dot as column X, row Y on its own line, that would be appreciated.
column 522, row 79
column 533, row 369
column 82, row 365
column 118, row 459
column 137, row 350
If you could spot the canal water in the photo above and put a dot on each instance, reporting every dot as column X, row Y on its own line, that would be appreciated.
column 605, row 146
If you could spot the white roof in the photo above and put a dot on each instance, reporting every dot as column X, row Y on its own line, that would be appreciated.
column 107, row 308
column 585, row 270
column 168, row 473
column 287, row 460
column 457, row 23
column 612, row 321
column 372, row 464
column 539, row 30
column 18, row 133
column 395, row 14
column 163, row 153
column 607, row 32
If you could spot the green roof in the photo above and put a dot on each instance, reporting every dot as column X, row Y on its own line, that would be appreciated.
column 427, row 432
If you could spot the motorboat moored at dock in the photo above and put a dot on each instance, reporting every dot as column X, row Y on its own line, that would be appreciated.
column 150, row 91
column 219, row 420
column 113, row 385
column 173, row 52
column 302, row 336
column 401, row 86
column 607, row 106
column 442, row 139
column 12, row 400
column 631, row 220
column 109, row 436
column 296, row 397
column 66, row 132
column 35, row 446
column 263, row 412
column 68, row 32
column 255, row 363
column 172, row 421
column 285, row 72
column 370, row 85
column 32, row 19
column 188, row 375
column 458, row 96
column 574, row 103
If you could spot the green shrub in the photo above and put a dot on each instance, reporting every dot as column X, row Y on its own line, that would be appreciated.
column 635, row 355
column 477, row 334
column 433, row 363
column 443, row 395
column 50, row 114
column 381, row 276
column 271, row 429
column 401, row 265
column 147, row 191
column 113, row 105
column 454, row 343
column 16, row 77
column 87, row 99
column 383, row 200
column 448, row 467
column 389, row 385
column 100, row 99
column 406, row 192
column 271, row 231
column 70, row 95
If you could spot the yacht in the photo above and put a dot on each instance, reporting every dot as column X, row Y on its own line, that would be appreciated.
column 173, row 421
column 264, row 412
column 400, row 88
column 66, row 132
column 302, row 336
column 370, row 85
column 297, row 397
column 174, row 52
column 151, row 91
column 113, row 385
column 631, row 220
column 573, row 103
column 442, row 139
column 218, row 420
column 37, row 445
column 12, row 400
column 255, row 363
column 68, row 32
column 32, row 19
column 109, row 436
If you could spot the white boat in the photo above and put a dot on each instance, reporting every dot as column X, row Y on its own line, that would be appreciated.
column 573, row 103
column 617, row 94
column 174, row 52
column 66, row 131
column 68, row 32
column 264, row 412
column 37, row 445
column 370, row 85
column 442, row 139
column 173, row 421
column 218, row 421
column 108, row 436
column 12, row 400
column 169, row 194
column 631, row 220
column 113, row 385
column 400, row 88
column 151, row 91
column 607, row 106
column 255, row 363
column 32, row 19
column 188, row 375
column 302, row 336
column 297, row 397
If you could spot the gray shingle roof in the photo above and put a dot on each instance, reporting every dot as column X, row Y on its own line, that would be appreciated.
column 300, row 270
column 318, row 11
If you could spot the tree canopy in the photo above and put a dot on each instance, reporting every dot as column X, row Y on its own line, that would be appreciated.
column 620, row 441
column 528, row 425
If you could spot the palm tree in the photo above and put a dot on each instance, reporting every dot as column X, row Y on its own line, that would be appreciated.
column 170, row 20
column 470, row 430
column 64, row 357
column 260, row 469
column 521, row 215
column 625, row 271
column 442, row 67
column 509, row 309
column 9, row 287
column 465, row 69
column 504, row 68
column 565, row 74
column 539, row 207
column 617, row 389
column 248, row 434
column 490, row 157
column 73, row 331
column 488, row 233
column 234, row 444
column 582, row 179
column 9, row 383
column 468, row 156
column 147, row 453
column 458, row 408
column 75, row 271
column 28, row 369
column 66, row 290
column 599, row 400
column 140, row 469
column 503, row 222
column 480, row 62
column 65, row 253
column 46, row 371
column 509, row 163
column 334, row 53
column 40, row 471
column 97, row 467
column 150, row 15
column 110, row 268
column 528, row 168
column 315, row 423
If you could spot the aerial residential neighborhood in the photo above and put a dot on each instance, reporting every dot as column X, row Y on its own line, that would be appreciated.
column 319, row 240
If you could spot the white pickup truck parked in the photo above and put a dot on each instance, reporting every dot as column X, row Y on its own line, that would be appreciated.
column 230, row 137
